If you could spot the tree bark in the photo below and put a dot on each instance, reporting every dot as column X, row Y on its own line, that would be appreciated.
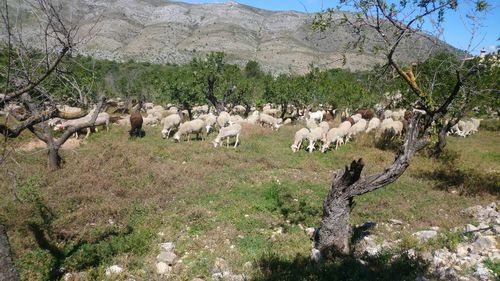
column 334, row 233
column 219, row 106
column 7, row 270
column 54, row 160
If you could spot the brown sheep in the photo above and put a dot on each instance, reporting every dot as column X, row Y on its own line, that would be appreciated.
column 136, row 124
column 348, row 119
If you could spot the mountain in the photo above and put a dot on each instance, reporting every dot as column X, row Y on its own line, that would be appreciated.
column 172, row 32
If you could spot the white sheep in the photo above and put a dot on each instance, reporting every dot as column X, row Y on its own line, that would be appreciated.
column 356, row 117
column 345, row 126
column 170, row 123
column 373, row 124
column 318, row 115
column 101, row 120
column 236, row 119
column 357, row 128
column 311, row 124
column 223, row 119
column 239, row 109
column 253, row 118
column 390, row 126
column 232, row 130
column 210, row 121
column 268, row 119
column 334, row 135
column 316, row 134
column 190, row 127
column 387, row 114
column 300, row 136
column 325, row 126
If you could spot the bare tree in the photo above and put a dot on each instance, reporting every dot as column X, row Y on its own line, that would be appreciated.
column 393, row 23
column 31, row 64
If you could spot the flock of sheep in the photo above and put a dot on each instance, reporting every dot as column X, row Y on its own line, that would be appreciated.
column 318, row 131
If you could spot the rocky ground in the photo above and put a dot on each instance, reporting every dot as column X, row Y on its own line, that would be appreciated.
column 465, row 262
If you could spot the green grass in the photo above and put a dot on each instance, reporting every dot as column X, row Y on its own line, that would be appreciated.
column 114, row 195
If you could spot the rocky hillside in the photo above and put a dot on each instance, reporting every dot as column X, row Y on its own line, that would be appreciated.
column 171, row 32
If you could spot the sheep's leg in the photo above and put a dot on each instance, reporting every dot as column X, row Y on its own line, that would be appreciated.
column 237, row 140
column 88, row 133
column 227, row 143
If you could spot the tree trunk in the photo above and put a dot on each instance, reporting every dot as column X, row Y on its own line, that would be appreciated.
column 54, row 160
column 335, row 231
column 7, row 270
column 334, row 234
column 441, row 144
column 219, row 106
column 284, row 109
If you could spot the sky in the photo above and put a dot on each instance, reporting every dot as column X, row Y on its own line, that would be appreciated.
column 455, row 32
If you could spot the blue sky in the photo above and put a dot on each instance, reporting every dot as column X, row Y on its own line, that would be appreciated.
column 455, row 31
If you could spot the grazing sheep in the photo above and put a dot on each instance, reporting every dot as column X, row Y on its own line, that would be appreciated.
column 325, row 126
column 223, row 119
column 389, row 126
column 210, row 121
column 136, row 121
column 150, row 121
column 268, row 119
column 357, row 128
column 101, row 120
column 239, row 109
column 170, row 123
column 157, row 112
column 236, row 119
column 318, row 115
column 373, row 124
column 387, row 114
column 253, row 118
column 334, row 135
column 190, row 127
column 356, row 117
column 345, row 126
column 316, row 134
column 311, row 124
column 232, row 130
column 300, row 136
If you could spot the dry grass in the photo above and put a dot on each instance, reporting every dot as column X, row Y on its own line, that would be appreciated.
column 211, row 202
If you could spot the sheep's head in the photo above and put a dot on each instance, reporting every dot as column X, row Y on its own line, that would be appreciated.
column 294, row 148
column 216, row 143
column 277, row 126
column 324, row 148
column 177, row 137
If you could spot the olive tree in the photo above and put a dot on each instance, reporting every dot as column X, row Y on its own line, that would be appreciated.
column 392, row 22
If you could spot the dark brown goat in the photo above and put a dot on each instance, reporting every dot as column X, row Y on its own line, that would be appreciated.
column 343, row 119
column 366, row 113
column 136, row 124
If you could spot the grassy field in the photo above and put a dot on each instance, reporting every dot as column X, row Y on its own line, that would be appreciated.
column 117, row 198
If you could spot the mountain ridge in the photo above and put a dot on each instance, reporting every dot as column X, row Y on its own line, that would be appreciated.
column 175, row 32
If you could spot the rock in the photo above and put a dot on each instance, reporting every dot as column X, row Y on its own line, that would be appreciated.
column 167, row 257
column 483, row 244
column 114, row 269
column 496, row 229
column 310, row 231
column 470, row 228
column 482, row 272
column 483, row 226
column 426, row 256
column 162, row 268
column 315, row 255
column 247, row 265
column 220, row 266
column 395, row 222
column 167, row 247
column 425, row 235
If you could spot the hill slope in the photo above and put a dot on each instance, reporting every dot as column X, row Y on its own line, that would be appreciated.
column 172, row 32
